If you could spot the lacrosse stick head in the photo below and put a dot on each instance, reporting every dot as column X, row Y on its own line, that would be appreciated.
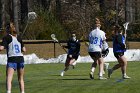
column 125, row 25
column 54, row 38
column 32, row 16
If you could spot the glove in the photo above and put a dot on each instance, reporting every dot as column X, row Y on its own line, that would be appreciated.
column 105, row 52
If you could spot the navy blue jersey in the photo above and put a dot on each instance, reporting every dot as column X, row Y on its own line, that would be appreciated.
column 73, row 47
column 119, row 43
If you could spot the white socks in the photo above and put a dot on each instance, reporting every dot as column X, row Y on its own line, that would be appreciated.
column 100, row 74
column 92, row 69
column 8, row 91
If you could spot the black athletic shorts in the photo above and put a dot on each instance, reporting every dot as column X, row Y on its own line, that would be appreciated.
column 73, row 56
column 118, row 54
column 95, row 54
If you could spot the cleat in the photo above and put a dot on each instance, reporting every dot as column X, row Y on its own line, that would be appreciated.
column 91, row 75
column 109, row 73
column 126, row 77
column 62, row 73
column 102, row 78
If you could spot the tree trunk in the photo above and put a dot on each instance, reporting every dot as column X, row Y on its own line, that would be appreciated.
column 58, row 9
column 15, row 9
column 24, row 10
column 3, row 20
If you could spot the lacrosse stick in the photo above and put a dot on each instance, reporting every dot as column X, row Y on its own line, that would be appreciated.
column 31, row 16
column 56, row 40
column 125, row 25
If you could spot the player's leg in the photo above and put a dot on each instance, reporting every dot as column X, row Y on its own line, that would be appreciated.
column 67, row 64
column 73, row 63
column 117, row 66
column 124, row 67
column 9, row 76
column 20, row 73
column 94, row 64
column 101, row 68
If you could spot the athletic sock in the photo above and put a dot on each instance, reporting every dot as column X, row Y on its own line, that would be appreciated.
column 92, row 69
column 8, row 91
column 124, row 74
column 100, row 74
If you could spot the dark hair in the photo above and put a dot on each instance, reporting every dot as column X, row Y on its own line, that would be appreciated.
column 8, row 28
column 73, row 32
column 118, row 28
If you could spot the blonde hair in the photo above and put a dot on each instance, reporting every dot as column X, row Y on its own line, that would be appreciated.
column 97, row 22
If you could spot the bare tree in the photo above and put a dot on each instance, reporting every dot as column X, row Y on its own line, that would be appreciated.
column 3, row 13
column 16, row 17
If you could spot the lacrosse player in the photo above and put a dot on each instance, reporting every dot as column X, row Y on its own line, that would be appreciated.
column 119, row 48
column 96, row 40
column 15, row 61
column 105, row 51
column 73, row 46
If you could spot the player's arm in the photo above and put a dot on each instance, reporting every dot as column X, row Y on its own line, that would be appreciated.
column 3, row 44
column 67, row 46
column 78, row 47
column 23, row 49
column 119, row 40
column 1, row 48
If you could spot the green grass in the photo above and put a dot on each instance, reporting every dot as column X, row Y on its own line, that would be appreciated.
column 45, row 78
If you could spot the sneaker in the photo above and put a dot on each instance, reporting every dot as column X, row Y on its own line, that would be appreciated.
column 101, row 78
column 62, row 73
column 91, row 75
column 109, row 73
column 126, row 77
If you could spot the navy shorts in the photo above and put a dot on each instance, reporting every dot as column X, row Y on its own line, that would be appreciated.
column 73, row 56
column 15, row 66
column 118, row 54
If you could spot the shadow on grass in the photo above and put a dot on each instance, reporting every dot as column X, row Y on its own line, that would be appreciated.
column 75, row 79
column 69, row 75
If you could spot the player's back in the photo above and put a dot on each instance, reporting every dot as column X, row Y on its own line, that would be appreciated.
column 95, row 40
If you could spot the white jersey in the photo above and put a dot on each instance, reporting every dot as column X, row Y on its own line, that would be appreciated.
column 96, row 38
column 14, row 48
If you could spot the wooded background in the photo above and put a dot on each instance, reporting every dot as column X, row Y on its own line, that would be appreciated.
column 62, row 17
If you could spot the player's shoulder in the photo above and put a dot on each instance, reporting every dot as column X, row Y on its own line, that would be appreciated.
column 102, row 32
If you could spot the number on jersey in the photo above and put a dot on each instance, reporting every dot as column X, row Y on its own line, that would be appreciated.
column 93, row 40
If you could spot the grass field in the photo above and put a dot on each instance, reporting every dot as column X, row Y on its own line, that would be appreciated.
column 45, row 78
